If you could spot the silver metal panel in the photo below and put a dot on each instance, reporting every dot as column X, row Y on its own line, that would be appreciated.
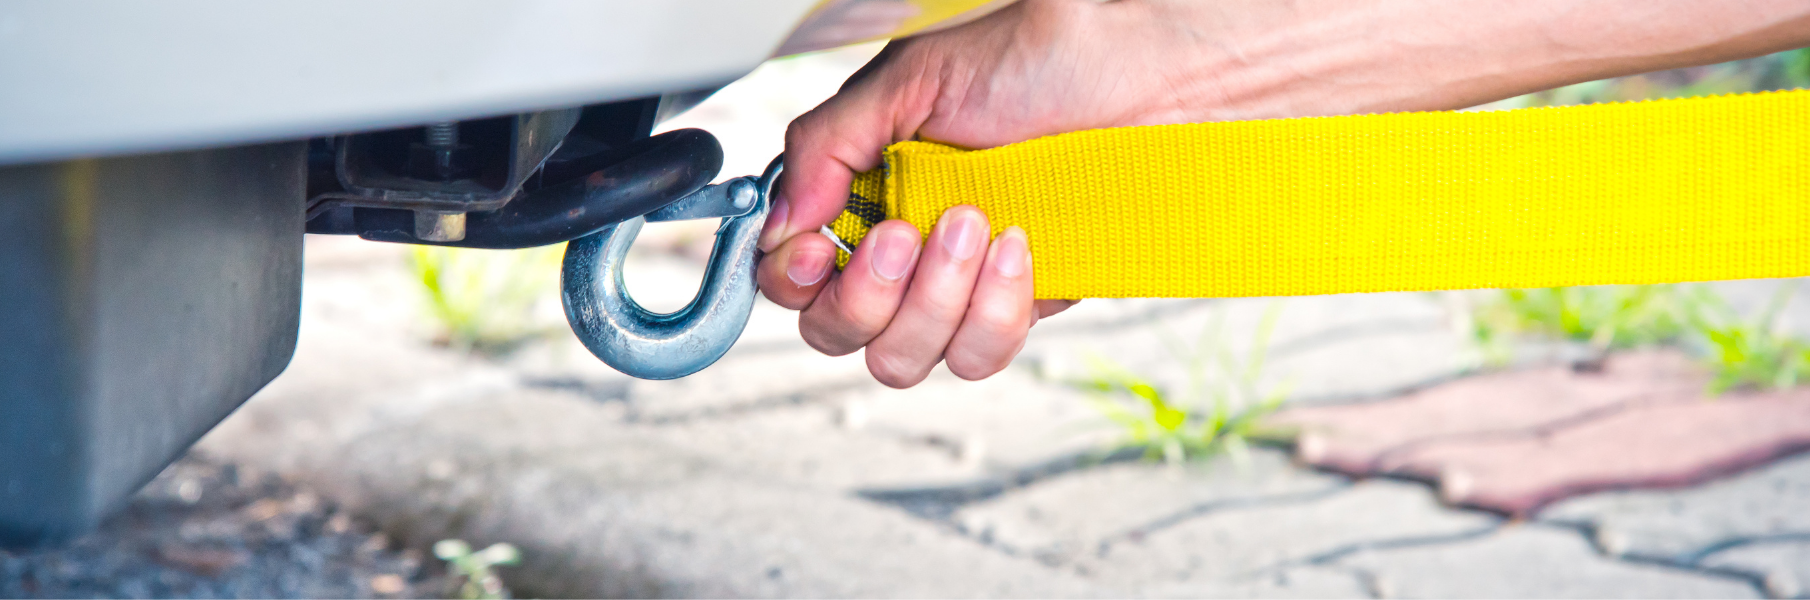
column 141, row 300
column 93, row 77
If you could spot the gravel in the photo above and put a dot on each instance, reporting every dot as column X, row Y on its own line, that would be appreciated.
column 203, row 529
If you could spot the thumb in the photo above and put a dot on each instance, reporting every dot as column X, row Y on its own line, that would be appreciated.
column 845, row 135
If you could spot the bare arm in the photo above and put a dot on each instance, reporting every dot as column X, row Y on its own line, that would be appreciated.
column 1043, row 67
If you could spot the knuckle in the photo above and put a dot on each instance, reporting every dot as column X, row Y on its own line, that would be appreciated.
column 997, row 318
column 864, row 319
column 942, row 306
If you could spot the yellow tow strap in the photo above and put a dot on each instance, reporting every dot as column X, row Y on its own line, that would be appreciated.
column 1649, row 192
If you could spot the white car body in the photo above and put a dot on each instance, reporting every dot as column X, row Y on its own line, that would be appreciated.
column 93, row 78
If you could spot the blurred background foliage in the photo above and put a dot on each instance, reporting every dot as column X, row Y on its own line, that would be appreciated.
column 488, row 301
column 1219, row 411
column 1782, row 71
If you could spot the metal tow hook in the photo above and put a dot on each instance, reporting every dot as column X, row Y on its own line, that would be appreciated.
column 649, row 345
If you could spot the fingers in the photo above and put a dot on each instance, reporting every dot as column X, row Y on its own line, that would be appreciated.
column 999, row 315
column 794, row 273
column 954, row 298
column 857, row 305
column 933, row 308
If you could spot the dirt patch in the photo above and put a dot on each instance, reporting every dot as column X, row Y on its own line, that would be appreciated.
column 204, row 529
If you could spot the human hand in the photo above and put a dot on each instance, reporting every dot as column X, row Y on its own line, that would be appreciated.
column 1042, row 67
column 1037, row 68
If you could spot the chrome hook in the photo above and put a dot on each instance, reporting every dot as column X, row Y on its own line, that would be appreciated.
column 650, row 345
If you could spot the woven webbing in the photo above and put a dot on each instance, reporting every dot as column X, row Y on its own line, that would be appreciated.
column 1650, row 192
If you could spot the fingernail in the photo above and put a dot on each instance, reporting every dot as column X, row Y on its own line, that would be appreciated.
column 774, row 231
column 962, row 235
column 1014, row 253
column 894, row 252
column 808, row 267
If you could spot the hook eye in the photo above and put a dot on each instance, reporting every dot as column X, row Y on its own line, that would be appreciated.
column 651, row 345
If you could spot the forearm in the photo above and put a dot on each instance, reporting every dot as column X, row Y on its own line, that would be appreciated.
column 1362, row 56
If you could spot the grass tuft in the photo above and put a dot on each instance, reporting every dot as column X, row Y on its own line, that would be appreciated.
column 476, row 571
column 1606, row 317
column 1751, row 353
column 487, row 301
column 1219, row 412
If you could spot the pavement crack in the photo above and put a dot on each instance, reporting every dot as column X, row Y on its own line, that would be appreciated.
column 1691, row 562
column 619, row 391
column 1202, row 509
column 939, row 502
column 1705, row 552
column 1340, row 552
column 756, row 405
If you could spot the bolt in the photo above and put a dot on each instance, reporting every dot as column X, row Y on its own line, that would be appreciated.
column 439, row 156
column 441, row 139
column 443, row 135
column 741, row 194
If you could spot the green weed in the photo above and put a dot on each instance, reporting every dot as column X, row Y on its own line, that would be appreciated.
column 1741, row 353
column 1606, row 318
column 486, row 300
column 476, row 570
column 1218, row 412
column 1751, row 353
column 1784, row 70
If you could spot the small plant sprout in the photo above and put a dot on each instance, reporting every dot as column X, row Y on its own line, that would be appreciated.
column 1218, row 412
column 486, row 300
column 475, row 569
column 1752, row 354
column 1606, row 318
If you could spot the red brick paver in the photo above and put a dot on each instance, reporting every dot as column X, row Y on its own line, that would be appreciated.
column 1656, row 445
column 1512, row 442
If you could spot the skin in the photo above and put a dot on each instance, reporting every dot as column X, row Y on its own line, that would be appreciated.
column 1042, row 67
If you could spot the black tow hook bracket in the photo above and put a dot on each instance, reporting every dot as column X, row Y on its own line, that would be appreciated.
column 571, row 199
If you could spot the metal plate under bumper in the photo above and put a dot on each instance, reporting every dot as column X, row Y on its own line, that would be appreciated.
column 141, row 300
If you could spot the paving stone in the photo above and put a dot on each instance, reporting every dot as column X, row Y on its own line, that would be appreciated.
column 1370, row 437
column 1679, row 526
column 808, row 446
column 748, row 380
column 1659, row 445
column 1067, row 518
column 1251, row 542
column 1372, row 364
column 1008, row 421
column 1528, row 562
column 1323, row 347
column 756, row 374
column 601, row 507
column 1782, row 566
column 1300, row 582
